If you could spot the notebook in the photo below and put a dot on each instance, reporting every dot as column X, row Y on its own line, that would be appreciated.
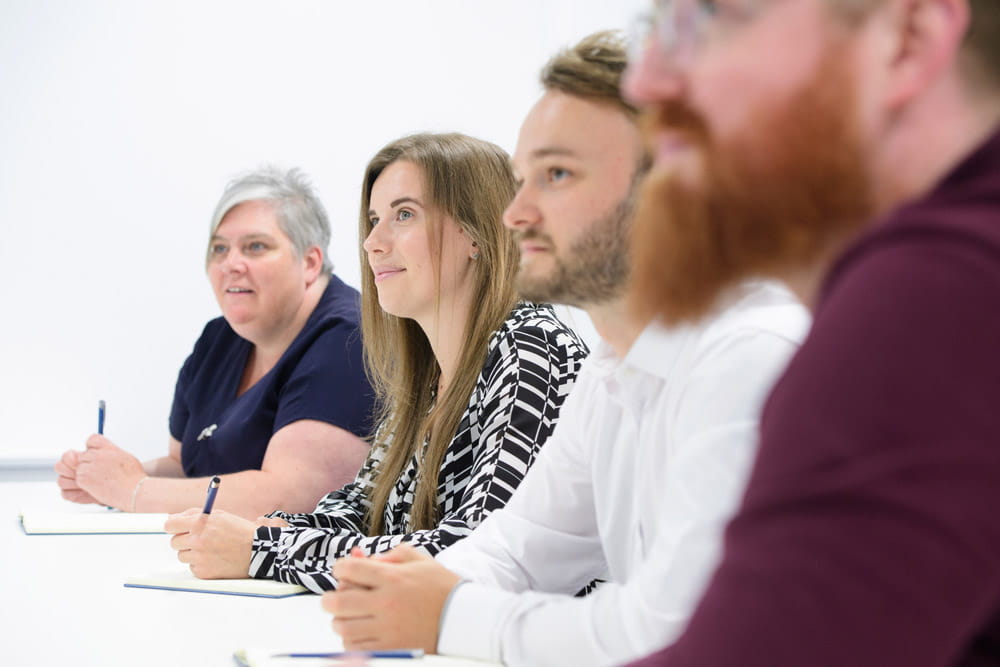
column 101, row 522
column 183, row 580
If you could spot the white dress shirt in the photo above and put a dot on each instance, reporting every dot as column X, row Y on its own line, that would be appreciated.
column 647, row 463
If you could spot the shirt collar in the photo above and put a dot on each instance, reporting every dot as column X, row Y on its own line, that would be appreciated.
column 655, row 352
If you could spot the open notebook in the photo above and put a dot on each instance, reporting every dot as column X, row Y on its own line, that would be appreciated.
column 183, row 580
column 97, row 522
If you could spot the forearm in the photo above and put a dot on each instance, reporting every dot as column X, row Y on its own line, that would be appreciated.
column 250, row 493
column 164, row 466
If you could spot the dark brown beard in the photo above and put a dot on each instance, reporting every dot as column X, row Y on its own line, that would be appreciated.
column 593, row 270
column 770, row 203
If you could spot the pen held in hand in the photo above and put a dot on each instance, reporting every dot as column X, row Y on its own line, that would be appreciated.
column 213, row 488
column 100, row 417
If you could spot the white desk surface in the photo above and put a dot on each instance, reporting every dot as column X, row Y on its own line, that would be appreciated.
column 63, row 602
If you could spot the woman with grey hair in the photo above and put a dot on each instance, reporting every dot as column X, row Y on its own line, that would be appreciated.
column 274, row 397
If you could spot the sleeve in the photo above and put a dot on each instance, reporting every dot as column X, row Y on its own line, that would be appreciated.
column 532, row 544
column 301, row 552
column 179, row 411
column 329, row 384
column 524, row 390
column 712, row 439
column 869, row 532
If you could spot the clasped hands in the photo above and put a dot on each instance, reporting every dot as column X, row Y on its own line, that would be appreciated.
column 390, row 600
column 103, row 473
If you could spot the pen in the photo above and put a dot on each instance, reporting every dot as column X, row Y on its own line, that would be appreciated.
column 405, row 654
column 101, row 407
column 213, row 488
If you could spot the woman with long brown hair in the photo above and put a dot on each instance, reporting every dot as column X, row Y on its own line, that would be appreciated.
column 470, row 380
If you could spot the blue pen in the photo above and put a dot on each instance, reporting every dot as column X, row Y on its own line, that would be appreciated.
column 213, row 488
column 101, row 407
column 405, row 654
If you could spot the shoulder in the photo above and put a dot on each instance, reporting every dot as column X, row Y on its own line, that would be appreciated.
column 756, row 311
column 216, row 334
column 340, row 304
column 532, row 325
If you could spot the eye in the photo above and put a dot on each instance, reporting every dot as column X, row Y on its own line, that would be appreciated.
column 556, row 174
column 256, row 247
column 404, row 214
column 373, row 221
column 217, row 249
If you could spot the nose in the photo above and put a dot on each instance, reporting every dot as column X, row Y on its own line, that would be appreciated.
column 654, row 77
column 233, row 262
column 522, row 212
column 375, row 242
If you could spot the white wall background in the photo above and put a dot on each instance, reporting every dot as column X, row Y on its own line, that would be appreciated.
column 121, row 121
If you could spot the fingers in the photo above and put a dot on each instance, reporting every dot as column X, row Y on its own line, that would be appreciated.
column 271, row 522
column 97, row 441
column 356, row 632
column 404, row 553
column 365, row 572
column 184, row 522
column 67, row 463
column 345, row 604
column 68, row 483
column 77, row 496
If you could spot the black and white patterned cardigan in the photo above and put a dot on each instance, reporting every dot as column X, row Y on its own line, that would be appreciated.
column 531, row 365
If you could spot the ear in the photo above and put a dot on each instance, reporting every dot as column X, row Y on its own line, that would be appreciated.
column 928, row 36
column 312, row 261
column 473, row 246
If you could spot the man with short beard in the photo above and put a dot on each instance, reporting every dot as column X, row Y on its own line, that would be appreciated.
column 652, row 448
column 851, row 148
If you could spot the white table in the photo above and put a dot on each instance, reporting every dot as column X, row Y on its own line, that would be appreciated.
column 63, row 602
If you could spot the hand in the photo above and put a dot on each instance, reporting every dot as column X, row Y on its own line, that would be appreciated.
column 215, row 546
column 108, row 473
column 66, row 469
column 271, row 522
column 393, row 600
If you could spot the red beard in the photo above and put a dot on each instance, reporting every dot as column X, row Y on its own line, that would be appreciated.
column 772, row 202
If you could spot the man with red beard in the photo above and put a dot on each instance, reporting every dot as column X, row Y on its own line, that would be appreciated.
column 651, row 452
column 852, row 149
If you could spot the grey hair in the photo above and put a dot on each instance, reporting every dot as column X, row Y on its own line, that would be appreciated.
column 300, row 213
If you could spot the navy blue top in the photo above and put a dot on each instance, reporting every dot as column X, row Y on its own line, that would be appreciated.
column 320, row 376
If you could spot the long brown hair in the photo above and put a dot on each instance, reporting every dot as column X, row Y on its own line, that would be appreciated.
column 470, row 181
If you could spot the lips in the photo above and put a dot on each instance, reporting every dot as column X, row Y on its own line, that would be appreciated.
column 530, row 247
column 384, row 272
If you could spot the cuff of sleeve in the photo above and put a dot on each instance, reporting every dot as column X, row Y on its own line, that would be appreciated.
column 263, row 551
column 472, row 621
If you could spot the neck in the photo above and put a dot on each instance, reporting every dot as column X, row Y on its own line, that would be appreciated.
column 445, row 331
column 268, row 350
column 806, row 281
column 615, row 325
column 921, row 148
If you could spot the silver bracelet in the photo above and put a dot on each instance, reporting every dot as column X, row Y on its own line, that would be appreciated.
column 135, row 492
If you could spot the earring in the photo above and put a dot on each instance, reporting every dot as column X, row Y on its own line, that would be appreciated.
column 475, row 255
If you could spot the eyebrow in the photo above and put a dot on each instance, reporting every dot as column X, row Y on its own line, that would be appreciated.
column 553, row 150
column 396, row 202
column 403, row 200
column 255, row 235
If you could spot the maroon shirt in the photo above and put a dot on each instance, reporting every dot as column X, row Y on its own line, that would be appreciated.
column 870, row 531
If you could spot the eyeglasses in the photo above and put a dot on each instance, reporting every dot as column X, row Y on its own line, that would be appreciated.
column 679, row 28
